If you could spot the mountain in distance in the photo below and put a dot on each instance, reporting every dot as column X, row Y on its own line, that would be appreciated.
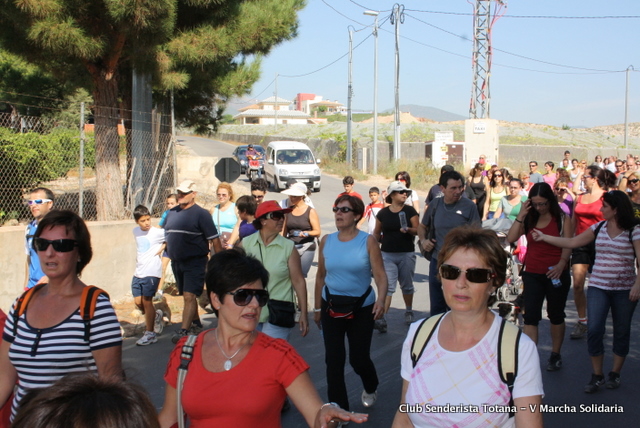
column 432, row 113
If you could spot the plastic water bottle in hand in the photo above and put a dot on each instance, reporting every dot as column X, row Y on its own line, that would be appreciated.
column 403, row 221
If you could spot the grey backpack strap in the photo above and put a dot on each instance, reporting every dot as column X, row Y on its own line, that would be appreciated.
column 185, row 358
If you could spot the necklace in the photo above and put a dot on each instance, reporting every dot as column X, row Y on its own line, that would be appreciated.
column 228, row 364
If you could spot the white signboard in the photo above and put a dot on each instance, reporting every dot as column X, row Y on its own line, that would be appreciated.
column 439, row 148
column 479, row 128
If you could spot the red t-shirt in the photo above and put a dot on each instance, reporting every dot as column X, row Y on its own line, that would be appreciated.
column 249, row 395
column 586, row 214
column 541, row 255
column 356, row 194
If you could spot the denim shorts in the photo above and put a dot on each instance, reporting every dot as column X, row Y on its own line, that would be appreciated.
column 145, row 287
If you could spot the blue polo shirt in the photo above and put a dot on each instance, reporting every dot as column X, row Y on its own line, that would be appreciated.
column 188, row 232
column 35, row 270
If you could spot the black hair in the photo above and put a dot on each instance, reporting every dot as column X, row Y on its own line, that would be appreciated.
column 259, row 184
column 567, row 152
column 446, row 168
column 551, row 164
column 348, row 180
column 619, row 201
column 534, row 162
column 404, row 176
column 87, row 401
column 140, row 211
column 605, row 178
column 374, row 189
column 517, row 180
column 450, row 175
column 247, row 204
column 49, row 194
column 229, row 270
column 545, row 191
column 74, row 225
column 356, row 204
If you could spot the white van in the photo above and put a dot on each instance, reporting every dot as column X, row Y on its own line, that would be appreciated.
column 291, row 159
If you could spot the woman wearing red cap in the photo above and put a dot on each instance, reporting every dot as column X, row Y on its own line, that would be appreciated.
column 279, row 256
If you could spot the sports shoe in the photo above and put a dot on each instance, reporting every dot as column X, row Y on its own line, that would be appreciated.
column 369, row 400
column 195, row 328
column 614, row 380
column 381, row 325
column 179, row 334
column 579, row 331
column 596, row 382
column 158, row 323
column 147, row 338
column 408, row 317
column 555, row 362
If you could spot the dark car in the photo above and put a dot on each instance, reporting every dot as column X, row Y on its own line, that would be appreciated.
column 240, row 156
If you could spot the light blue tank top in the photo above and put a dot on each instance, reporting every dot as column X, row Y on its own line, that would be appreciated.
column 227, row 218
column 348, row 267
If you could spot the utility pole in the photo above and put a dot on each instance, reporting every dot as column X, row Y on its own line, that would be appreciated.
column 375, row 89
column 626, row 109
column 275, row 107
column 397, row 18
column 349, row 96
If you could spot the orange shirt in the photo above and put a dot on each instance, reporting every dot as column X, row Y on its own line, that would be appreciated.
column 249, row 395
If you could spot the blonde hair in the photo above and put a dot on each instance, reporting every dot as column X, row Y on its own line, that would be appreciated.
column 227, row 186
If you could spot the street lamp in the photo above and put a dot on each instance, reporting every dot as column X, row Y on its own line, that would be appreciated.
column 626, row 109
column 375, row 89
column 349, row 96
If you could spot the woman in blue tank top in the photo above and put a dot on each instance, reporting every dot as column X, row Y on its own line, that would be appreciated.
column 345, row 303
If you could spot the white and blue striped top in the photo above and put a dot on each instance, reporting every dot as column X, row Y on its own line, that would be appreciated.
column 42, row 356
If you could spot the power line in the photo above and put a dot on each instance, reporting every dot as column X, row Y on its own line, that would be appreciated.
column 517, row 55
column 530, row 16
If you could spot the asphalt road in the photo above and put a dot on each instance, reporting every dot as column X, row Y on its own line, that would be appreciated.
column 146, row 365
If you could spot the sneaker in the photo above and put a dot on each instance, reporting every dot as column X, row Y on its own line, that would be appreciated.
column 555, row 362
column 381, row 325
column 579, row 331
column 408, row 317
column 158, row 324
column 148, row 338
column 369, row 400
column 614, row 380
column 596, row 382
column 195, row 328
column 179, row 334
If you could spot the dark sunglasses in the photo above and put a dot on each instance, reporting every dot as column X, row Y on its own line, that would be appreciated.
column 475, row 275
column 343, row 210
column 561, row 189
column 59, row 245
column 274, row 215
column 497, row 175
column 184, row 193
column 38, row 201
column 243, row 296
column 258, row 196
column 633, row 181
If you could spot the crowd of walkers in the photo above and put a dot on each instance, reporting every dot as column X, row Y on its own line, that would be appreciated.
column 249, row 259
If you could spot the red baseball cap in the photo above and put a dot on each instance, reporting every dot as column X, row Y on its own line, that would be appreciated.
column 270, row 206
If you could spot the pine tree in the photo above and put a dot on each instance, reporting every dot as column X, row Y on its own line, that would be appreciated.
column 204, row 50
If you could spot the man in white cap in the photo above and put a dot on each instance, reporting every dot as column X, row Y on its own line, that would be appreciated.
column 190, row 235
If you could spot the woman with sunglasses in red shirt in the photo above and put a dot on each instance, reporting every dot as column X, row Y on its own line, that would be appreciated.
column 237, row 376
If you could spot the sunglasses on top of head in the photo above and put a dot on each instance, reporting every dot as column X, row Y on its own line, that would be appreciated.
column 274, row 215
column 243, row 296
column 475, row 275
column 59, row 245
column 343, row 210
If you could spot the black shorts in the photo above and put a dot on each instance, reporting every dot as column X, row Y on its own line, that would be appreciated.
column 583, row 255
column 189, row 274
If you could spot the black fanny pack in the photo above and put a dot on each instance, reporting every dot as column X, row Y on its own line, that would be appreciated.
column 344, row 306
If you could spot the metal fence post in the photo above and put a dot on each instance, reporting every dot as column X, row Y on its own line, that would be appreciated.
column 81, row 166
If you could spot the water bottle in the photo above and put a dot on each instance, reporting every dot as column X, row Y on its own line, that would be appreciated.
column 556, row 282
column 403, row 220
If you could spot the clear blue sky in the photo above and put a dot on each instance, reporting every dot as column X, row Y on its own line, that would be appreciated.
column 528, row 83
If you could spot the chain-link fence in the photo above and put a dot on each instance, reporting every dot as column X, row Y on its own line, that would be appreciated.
column 62, row 156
